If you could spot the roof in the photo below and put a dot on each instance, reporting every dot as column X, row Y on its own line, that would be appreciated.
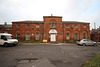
column 8, row 25
column 65, row 22
column 52, row 16
column 74, row 22
column 28, row 21
column 1, row 26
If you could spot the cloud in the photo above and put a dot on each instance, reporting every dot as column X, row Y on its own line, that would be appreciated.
column 95, row 18
column 79, row 10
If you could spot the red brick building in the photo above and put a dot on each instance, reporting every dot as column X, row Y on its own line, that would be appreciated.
column 6, row 28
column 95, row 34
column 52, row 29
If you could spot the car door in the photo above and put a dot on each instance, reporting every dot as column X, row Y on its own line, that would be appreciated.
column 1, row 40
column 87, row 42
column 90, row 42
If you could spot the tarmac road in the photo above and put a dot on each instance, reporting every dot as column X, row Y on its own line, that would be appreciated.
column 46, row 55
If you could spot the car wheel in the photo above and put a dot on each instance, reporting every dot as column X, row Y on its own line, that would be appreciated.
column 94, row 44
column 14, row 44
column 5, row 44
column 84, row 44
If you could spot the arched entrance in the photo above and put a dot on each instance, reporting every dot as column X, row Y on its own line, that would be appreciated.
column 53, row 34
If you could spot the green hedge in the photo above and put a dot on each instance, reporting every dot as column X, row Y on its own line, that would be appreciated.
column 29, row 41
column 74, row 42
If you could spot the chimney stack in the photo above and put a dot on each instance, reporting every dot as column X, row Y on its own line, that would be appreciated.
column 5, row 23
column 94, row 25
column 51, row 14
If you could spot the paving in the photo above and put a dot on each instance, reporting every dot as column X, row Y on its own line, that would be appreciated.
column 38, row 63
column 46, row 55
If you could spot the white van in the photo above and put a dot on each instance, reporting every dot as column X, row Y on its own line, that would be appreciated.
column 6, row 40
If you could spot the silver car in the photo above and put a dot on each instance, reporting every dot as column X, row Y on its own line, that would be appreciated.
column 85, row 42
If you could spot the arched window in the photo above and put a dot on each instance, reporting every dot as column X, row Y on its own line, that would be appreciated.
column 76, row 36
column 84, row 36
column 53, row 24
column 67, row 36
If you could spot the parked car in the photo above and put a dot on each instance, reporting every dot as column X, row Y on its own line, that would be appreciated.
column 6, row 40
column 85, row 42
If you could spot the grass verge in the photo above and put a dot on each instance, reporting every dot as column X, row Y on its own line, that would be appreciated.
column 72, row 42
column 94, row 62
column 28, row 41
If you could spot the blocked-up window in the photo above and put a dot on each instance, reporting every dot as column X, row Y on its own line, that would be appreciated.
column 27, row 36
column 37, row 36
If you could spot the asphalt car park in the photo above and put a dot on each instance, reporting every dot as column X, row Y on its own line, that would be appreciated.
column 46, row 55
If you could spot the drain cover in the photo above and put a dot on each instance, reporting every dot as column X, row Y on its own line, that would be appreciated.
column 26, row 60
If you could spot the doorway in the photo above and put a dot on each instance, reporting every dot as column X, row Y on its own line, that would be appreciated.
column 52, row 37
column 53, row 34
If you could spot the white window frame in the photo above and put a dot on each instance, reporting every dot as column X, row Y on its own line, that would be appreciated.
column 28, row 26
column 18, row 26
column 18, row 36
column 37, row 26
column 84, row 26
column 27, row 36
column 84, row 37
column 76, row 26
column 76, row 36
column 37, row 36
column 67, row 36
column 67, row 26
column 52, row 25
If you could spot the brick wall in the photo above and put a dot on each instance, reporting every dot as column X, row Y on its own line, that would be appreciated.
column 58, row 22
column 23, row 30
column 80, row 31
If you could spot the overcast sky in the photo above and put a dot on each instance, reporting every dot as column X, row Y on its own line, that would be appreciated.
column 70, row 10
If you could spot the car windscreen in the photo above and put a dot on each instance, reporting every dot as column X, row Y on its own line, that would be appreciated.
column 8, row 37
